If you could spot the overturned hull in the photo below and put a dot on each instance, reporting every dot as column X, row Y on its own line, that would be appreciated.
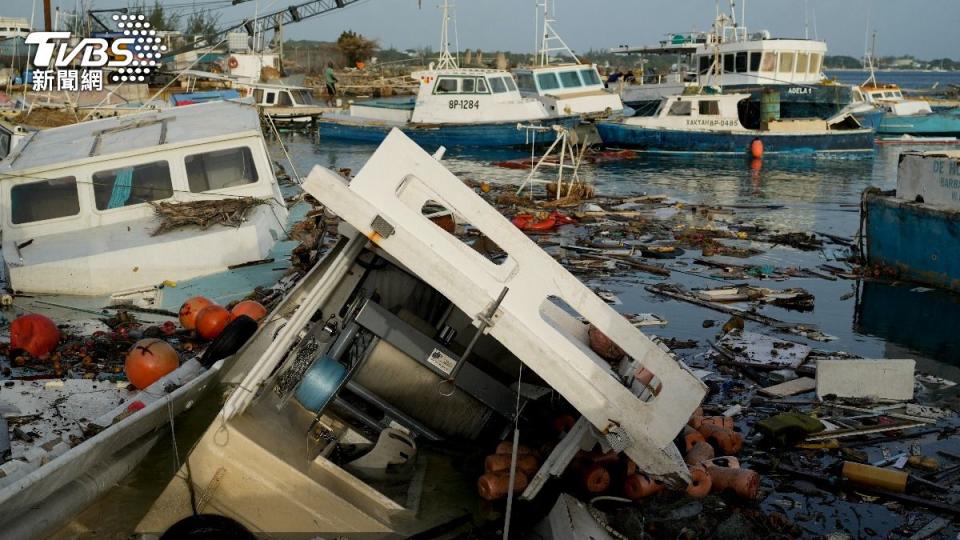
column 407, row 344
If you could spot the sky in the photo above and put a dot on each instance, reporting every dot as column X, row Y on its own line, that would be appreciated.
column 922, row 28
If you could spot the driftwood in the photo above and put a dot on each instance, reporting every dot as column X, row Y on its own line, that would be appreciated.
column 203, row 214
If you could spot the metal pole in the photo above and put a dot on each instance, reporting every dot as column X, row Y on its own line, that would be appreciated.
column 47, row 25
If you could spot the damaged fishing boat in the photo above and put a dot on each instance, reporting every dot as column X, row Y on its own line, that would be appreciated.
column 82, row 204
column 411, row 351
column 720, row 123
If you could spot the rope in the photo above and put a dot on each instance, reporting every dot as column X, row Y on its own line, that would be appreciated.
column 513, row 459
column 173, row 437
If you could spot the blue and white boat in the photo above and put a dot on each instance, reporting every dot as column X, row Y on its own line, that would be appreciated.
column 901, row 116
column 454, row 107
column 913, row 230
column 720, row 124
column 729, row 56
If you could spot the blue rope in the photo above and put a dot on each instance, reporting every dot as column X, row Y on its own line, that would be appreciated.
column 122, row 187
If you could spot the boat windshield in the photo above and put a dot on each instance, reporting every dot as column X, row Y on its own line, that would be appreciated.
column 525, row 82
column 590, row 77
column 304, row 97
column 126, row 186
column 497, row 85
column 220, row 169
column 46, row 199
column 547, row 81
column 4, row 144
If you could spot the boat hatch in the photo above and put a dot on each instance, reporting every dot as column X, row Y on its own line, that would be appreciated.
column 529, row 303
column 140, row 134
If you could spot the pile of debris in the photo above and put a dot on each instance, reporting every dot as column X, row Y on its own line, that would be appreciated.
column 203, row 214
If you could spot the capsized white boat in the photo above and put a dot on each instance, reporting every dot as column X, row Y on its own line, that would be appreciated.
column 76, row 201
column 407, row 344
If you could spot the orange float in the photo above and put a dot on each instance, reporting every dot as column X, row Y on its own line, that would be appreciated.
column 148, row 360
column 700, row 483
column 250, row 308
column 190, row 309
column 211, row 321
column 756, row 149
column 34, row 333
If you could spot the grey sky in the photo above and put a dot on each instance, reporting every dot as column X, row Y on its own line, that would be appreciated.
column 923, row 28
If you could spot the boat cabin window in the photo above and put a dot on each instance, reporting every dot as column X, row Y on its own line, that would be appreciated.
column 220, row 169
column 285, row 99
column 786, row 63
column 497, row 85
column 728, row 61
column 547, row 81
column 525, row 82
column 897, row 94
column 447, row 85
column 857, row 95
column 511, row 86
column 803, row 60
column 589, row 77
column 705, row 62
column 304, row 97
column 258, row 96
column 468, row 86
column 769, row 62
column 127, row 186
column 4, row 144
column 680, row 108
column 270, row 98
column 755, row 61
column 47, row 199
column 741, row 62
column 709, row 107
column 815, row 63
column 482, row 86
column 570, row 79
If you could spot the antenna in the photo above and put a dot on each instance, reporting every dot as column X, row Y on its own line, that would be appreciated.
column 806, row 20
column 550, row 36
column 447, row 61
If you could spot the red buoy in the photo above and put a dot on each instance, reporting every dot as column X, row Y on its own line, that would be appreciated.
column 190, row 309
column 211, row 321
column 148, row 360
column 756, row 149
column 34, row 333
column 250, row 308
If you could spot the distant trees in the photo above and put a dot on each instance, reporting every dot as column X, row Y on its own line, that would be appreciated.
column 355, row 48
column 842, row 62
column 203, row 23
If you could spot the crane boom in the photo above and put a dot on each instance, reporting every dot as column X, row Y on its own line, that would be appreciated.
column 277, row 19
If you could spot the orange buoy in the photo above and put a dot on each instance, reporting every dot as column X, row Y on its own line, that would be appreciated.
column 700, row 483
column 212, row 320
column 250, row 308
column 756, row 148
column 148, row 360
column 190, row 309
column 34, row 333
column 640, row 486
column 493, row 486
column 744, row 482
column 595, row 478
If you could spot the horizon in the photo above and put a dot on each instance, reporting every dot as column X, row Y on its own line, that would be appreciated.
column 400, row 24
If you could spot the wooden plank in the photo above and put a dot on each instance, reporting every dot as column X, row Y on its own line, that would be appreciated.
column 790, row 388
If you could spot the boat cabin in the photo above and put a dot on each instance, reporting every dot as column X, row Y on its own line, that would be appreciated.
column 76, row 202
column 568, row 89
column 890, row 98
column 457, row 96
column 14, row 27
column 269, row 96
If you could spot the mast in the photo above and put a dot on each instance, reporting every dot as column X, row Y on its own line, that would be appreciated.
column 550, row 36
column 446, row 61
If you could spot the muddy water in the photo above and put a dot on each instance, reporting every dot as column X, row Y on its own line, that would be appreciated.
column 788, row 193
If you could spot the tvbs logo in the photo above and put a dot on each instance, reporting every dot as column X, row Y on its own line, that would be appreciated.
column 130, row 53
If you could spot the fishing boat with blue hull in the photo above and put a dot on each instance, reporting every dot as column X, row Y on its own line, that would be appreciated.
column 896, row 116
column 715, row 123
column 730, row 57
column 455, row 107
column 913, row 229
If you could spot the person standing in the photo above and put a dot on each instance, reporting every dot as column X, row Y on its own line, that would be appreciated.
column 331, row 81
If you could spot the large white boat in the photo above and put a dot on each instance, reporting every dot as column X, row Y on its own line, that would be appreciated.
column 729, row 57
column 77, row 202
